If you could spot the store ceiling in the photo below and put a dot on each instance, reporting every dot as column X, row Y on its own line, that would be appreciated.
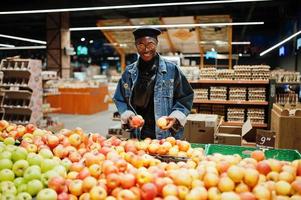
column 274, row 13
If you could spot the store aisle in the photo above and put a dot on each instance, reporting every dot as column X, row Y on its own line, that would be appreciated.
column 97, row 123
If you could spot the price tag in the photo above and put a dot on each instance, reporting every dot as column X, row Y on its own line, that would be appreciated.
column 265, row 138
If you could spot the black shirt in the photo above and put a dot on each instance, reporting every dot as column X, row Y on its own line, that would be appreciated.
column 143, row 95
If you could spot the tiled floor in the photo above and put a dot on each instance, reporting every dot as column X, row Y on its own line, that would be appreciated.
column 96, row 123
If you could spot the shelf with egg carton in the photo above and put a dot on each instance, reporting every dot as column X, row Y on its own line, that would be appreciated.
column 22, row 90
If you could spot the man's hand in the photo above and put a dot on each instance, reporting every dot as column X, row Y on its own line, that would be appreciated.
column 170, row 121
column 136, row 121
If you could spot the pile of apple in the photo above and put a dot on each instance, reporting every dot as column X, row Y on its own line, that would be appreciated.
column 74, row 165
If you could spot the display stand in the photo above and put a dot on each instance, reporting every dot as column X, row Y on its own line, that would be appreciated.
column 21, row 90
column 80, row 100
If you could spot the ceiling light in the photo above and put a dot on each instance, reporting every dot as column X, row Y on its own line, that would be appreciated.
column 22, row 47
column 166, row 26
column 212, row 49
column 6, row 45
column 240, row 43
column 82, row 39
column 280, row 43
column 127, row 6
column 91, row 41
column 23, row 39
column 240, row 54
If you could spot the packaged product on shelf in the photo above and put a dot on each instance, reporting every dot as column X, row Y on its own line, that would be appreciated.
column 224, row 74
column 218, row 93
column 256, row 115
column 201, row 94
column 191, row 73
column 236, row 114
column 242, row 72
column 208, row 73
column 260, row 72
column 257, row 94
column 237, row 93
column 283, row 76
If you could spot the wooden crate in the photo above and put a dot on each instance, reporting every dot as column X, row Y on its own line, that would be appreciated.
column 287, row 127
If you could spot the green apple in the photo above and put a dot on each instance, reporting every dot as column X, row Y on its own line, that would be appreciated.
column 5, row 154
column 32, row 172
column 7, row 175
column 48, row 164
column 9, row 140
column 22, row 188
column 48, row 175
column 46, row 153
column 66, row 163
column 34, row 187
column 19, row 167
column 61, row 170
column 18, row 181
column 11, row 147
column 34, row 159
column 19, row 153
column 24, row 196
column 6, row 163
column 8, row 197
column 8, row 187
column 2, row 146
column 47, row 194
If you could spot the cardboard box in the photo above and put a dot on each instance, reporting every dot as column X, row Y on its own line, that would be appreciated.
column 286, row 123
column 200, row 128
column 229, row 139
column 232, row 135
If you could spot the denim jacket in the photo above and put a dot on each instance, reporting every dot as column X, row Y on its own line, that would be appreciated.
column 173, row 95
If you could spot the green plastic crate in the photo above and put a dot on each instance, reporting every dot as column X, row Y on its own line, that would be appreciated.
column 197, row 145
column 244, row 152
column 283, row 154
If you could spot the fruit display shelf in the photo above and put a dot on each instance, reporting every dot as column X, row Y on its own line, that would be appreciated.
column 75, row 165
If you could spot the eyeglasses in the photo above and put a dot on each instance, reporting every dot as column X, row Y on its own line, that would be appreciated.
column 142, row 47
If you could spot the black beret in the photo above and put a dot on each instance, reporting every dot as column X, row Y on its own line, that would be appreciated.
column 146, row 31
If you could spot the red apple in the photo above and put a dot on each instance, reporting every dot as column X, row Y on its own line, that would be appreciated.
column 113, row 180
column 57, row 183
column 149, row 191
column 263, row 167
column 127, row 181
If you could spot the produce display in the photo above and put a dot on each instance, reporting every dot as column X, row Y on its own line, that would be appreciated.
column 236, row 114
column 257, row 94
column 256, row 115
column 201, row 94
column 242, row 72
column 208, row 73
column 237, row 93
column 73, row 165
column 218, row 93
column 224, row 74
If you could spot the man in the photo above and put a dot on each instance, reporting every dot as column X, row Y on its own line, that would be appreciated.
column 153, row 87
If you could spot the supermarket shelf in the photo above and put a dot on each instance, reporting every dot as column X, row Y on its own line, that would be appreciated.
column 229, row 102
column 247, row 82
column 17, row 91
column 240, row 123
column 16, row 70
column 50, row 94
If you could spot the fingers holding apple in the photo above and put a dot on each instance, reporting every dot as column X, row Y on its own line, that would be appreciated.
column 136, row 121
column 166, row 122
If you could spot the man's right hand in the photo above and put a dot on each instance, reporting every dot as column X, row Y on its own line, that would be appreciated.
column 136, row 121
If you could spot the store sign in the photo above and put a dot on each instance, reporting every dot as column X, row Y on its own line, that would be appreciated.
column 298, row 43
column 82, row 50
column 211, row 54
column 265, row 138
column 282, row 51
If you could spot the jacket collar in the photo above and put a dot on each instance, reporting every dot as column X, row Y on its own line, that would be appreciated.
column 162, row 66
